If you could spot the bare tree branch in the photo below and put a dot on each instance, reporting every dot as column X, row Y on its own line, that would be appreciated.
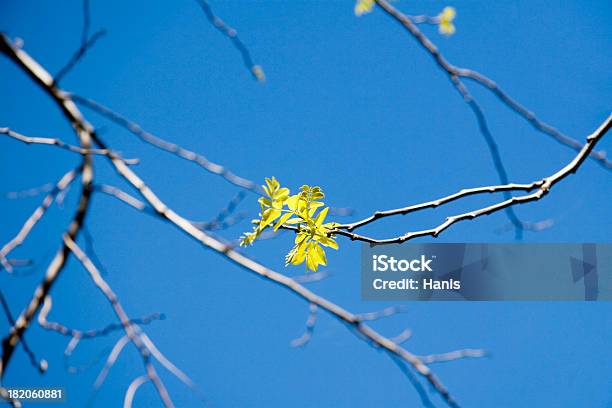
column 131, row 330
column 355, row 322
column 84, row 131
column 543, row 188
column 455, row 73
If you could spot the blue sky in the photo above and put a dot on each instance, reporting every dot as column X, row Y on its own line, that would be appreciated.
column 350, row 104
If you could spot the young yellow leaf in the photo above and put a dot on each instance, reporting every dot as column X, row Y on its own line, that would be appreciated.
column 268, row 217
column 321, row 217
column 328, row 242
column 292, row 202
column 282, row 220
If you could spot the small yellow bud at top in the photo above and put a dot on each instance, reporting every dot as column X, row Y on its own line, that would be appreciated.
column 445, row 19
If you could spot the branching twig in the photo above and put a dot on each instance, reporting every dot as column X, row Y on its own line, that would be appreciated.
column 131, row 330
column 455, row 73
column 87, row 334
column 86, row 43
column 543, row 187
column 23, row 233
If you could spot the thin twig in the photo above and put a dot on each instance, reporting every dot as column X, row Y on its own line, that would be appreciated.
column 131, row 391
column 38, row 213
column 57, row 142
column 310, row 326
column 30, row 192
column 170, row 147
column 41, row 365
column 232, row 34
column 91, row 333
column 110, row 361
column 402, row 337
column 389, row 311
column 453, row 355
column 86, row 43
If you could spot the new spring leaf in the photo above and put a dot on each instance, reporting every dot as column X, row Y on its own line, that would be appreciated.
column 279, row 208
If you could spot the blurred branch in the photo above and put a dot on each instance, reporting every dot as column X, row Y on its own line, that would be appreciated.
column 84, row 133
column 131, row 391
column 310, row 325
column 59, row 143
column 41, row 365
column 87, row 334
column 453, row 355
column 312, row 276
column 456, row 73
column 389, row 311
column 132, row 331
column 402, row 337
column 162, row 144
column 49, row 141
column 87, row 43
column 110, row 360
column 232, row 34
column 29, row 224
column 5, row 396
column 224, row 218
column 30, row 192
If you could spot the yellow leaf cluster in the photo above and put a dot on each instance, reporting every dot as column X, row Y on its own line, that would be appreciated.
column 364, row 7
column 445, row 19
column 301, row 210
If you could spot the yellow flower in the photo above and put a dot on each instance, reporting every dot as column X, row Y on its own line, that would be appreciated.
column 445, row 19
column 364, row 7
